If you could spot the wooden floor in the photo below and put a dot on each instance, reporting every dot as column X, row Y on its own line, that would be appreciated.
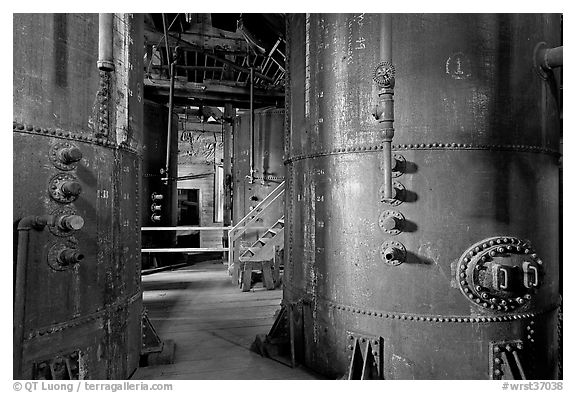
column 213, row 325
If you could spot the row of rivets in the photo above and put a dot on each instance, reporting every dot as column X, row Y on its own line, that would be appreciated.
column 424, row 146
column 83, row 320
column 421, row 318
column 70, row 135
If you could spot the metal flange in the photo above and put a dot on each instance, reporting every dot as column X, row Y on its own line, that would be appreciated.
column 61, row 158
column 390, row 221
column 58, row 230
column 64, row 256
column 397, row 199
column 393, row 253
column 384, row 74
column 64, row 188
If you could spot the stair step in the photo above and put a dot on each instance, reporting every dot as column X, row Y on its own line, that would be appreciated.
column 274, row 231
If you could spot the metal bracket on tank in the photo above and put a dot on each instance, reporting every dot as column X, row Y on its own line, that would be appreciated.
column 505, row 360
column 366, row 356
column 62, row 366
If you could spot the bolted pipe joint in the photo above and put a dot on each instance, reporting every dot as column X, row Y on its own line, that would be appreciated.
column 69, row 256
column 69, row 155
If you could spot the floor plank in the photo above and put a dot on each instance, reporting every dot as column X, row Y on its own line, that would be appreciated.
column 213, row 325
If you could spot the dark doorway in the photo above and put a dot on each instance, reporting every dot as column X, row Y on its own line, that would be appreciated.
column 188, row 215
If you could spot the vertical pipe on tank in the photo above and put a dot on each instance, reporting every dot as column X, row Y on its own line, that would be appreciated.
column 105, row 42
column 170, row 110
column 386, row 99
column 24, row 226
column 252, row 124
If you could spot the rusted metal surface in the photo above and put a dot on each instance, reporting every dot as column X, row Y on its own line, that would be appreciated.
column 82, row 293
column 478, row 132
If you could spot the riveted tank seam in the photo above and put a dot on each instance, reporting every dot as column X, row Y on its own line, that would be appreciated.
column 83, row 320
column 73, row 136
column 434, row 318
column 428, row 146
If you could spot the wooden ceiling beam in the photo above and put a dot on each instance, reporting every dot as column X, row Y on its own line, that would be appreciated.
column 210, row 40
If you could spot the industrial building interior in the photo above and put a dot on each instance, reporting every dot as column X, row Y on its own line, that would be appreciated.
column 287, row 196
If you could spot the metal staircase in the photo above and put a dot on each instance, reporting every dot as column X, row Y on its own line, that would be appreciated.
column 263, row 248
column 270, row 209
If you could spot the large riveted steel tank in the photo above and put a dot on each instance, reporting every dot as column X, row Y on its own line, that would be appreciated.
column 457, row 276
column 268, row 159
column 77, row 146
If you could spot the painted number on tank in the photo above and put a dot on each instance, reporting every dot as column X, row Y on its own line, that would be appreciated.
column 102, row 194
column 319, row 198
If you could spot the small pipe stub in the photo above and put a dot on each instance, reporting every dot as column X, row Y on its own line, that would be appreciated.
column 63, row 256
column 64, row 188
column 545, row 59
column 393, row 253
column 65, row 156
column 390, row 221
column 66, row 222
column 71, row 223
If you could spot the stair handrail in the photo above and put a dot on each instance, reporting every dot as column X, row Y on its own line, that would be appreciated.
column 244, row 224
